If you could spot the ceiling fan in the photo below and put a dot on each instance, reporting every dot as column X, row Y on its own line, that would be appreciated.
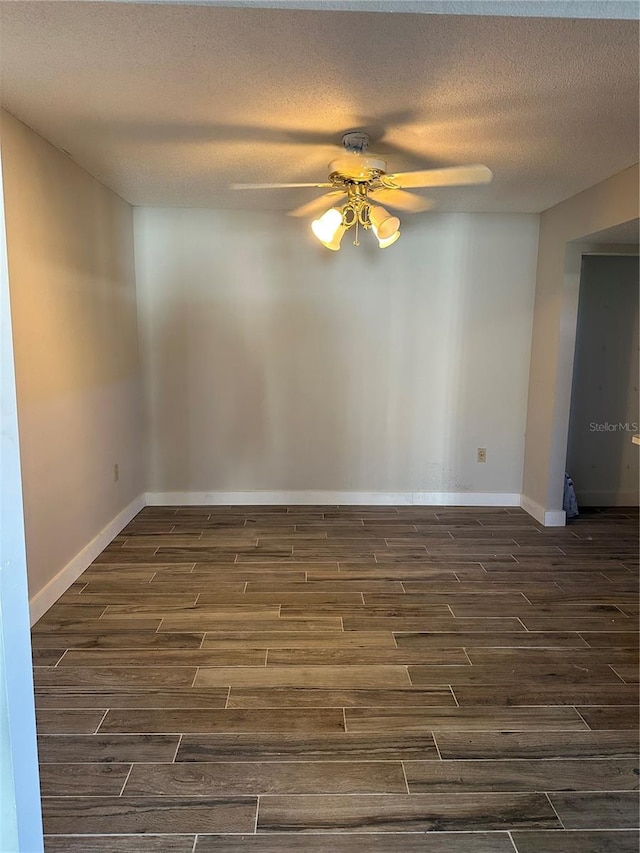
column 360, row 183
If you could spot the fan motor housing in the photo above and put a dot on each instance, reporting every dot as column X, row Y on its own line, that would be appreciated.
column 356, row 167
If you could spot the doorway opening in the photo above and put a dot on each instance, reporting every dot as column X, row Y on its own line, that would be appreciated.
column 602, row 459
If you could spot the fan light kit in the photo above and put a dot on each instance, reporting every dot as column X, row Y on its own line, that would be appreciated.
column 358, row 212
column 359, row 181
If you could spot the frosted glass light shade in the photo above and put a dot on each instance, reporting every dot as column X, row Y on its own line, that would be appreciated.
column 326, row 227
column 334, row 244
column 389, row 241
column 384, row 223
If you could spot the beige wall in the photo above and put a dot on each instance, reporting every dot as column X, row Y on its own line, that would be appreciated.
column 274, row 364
column 72, row 285
column 603, row 206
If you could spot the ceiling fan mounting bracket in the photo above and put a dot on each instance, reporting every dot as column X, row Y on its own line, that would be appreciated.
column 356, row 141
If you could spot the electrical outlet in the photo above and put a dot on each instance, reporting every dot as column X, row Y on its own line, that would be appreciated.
column 116, row 473
column 482, row 454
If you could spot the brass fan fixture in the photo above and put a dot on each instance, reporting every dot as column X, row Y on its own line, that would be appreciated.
column 360, row 183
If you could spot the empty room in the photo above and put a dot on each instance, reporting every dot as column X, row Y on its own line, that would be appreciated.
column 319, row 467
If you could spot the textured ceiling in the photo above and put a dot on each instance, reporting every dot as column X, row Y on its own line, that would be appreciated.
column 169, row 104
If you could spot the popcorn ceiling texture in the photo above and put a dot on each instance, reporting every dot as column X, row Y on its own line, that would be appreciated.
column 168, row 105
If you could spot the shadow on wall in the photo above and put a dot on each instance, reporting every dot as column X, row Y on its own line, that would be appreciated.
column 601, row 458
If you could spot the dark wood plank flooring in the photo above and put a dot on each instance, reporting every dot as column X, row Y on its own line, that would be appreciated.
column 345, row 679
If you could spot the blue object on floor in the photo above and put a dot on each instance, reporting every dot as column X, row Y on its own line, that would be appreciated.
column 569, row 500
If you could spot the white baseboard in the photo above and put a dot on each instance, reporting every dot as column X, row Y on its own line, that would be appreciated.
column 326, row 498
column 50, row 593
column 549, row 518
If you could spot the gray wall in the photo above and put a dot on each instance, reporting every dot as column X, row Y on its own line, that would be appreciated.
column 601, row 457
column 274, row 364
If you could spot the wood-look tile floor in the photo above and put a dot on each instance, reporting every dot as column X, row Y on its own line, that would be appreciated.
column 348, row 679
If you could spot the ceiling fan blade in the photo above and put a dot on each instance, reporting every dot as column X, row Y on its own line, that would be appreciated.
column 318, row 205
column 276, row 186
column 410, row 202
column 449, row 177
